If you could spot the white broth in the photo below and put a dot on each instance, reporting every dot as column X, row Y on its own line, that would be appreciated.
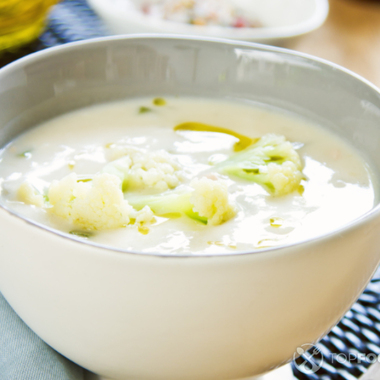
column 338, row 185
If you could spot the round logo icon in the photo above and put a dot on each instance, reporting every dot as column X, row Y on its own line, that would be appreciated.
column 308, row 359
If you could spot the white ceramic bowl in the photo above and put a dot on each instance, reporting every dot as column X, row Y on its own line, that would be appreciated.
column 282, row 20
column 127, row 315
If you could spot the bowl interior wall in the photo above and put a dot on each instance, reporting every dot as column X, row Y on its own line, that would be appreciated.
column 36, row 89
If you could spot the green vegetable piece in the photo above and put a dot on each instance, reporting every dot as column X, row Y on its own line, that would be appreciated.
column 267, row 243
column 84, row 179
column 168, row 203
column 222, row 77
column 143, row 230
column 252, row 171
column 26, row 154
column 276, row 158
column 242, row 143
column 144, row 109
column 120, row 168
column 159, row 102
column 84, row 234
column 276, row 222
column 172, row 215
column 272, row 162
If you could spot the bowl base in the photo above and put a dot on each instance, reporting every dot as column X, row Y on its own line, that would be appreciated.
column 283, row 373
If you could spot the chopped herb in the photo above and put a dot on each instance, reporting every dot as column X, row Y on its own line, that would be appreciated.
column 84, row 179
column 218, row 243
column 159, row 102
column 46, row 198
column 252, row 171
column 26, row 154
column 276, row 222
column 144, row 109
column 143, row 230
column 276, row 158
column 221, row 244
column 222, row 77
column 267, row 243
column 85, row 234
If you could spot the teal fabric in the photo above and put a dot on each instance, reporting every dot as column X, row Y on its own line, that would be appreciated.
column 24, row 356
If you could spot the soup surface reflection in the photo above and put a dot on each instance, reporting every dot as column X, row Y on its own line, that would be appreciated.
column 189, row 139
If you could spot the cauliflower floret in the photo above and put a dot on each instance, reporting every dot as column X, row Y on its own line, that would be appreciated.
column 144, row 216
column 116, row 151
column 277, row 146
column 28, row 194
column 206, row 201
column 139, row 169
column 271, row 162
column 210, row 200
column 95, row 205
column 285, row 178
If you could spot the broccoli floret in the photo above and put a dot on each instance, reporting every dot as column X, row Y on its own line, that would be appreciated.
column 271, row 162
column 205, row 201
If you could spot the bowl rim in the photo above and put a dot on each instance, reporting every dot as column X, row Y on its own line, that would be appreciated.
column 373, row 213
column 317, row 18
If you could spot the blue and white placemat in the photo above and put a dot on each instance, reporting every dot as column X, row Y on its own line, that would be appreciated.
column 354, row 344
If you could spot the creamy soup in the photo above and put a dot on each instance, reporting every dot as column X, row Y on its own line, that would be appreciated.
column 336, row 186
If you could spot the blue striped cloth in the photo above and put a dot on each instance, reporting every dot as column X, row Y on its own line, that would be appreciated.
column 24, row 356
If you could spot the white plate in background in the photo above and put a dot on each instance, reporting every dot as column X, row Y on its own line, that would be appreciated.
column 282, row 20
